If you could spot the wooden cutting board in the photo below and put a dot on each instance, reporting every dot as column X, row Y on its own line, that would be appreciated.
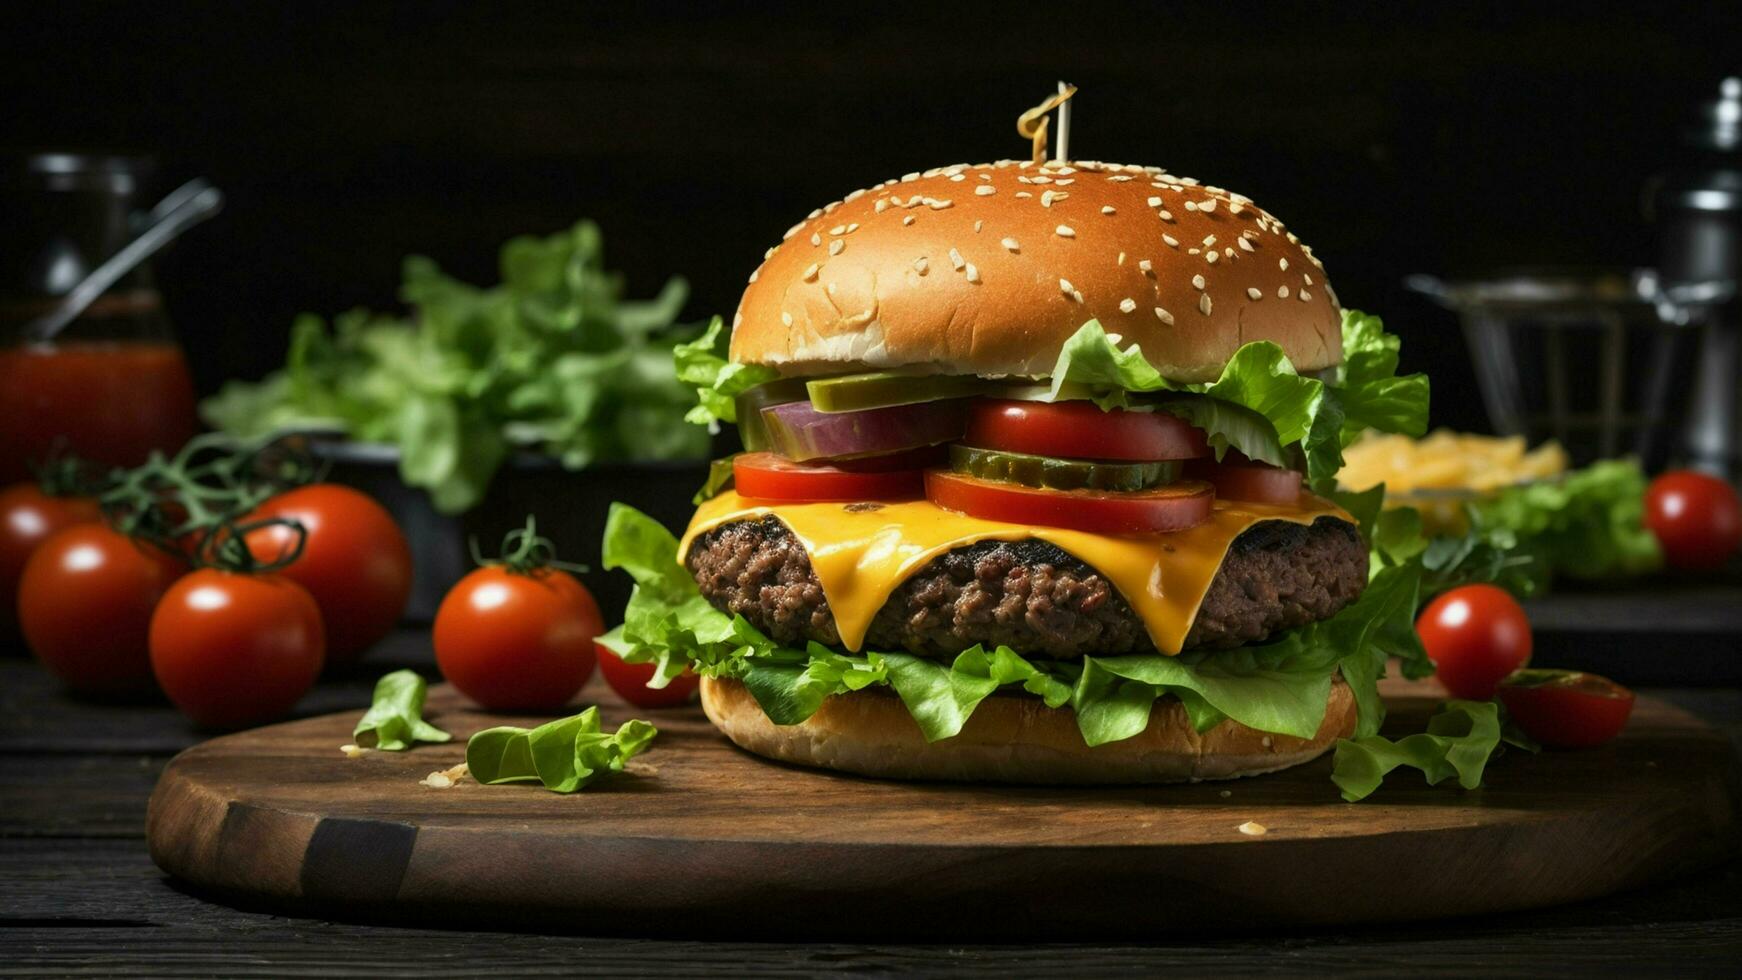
column 704, row 839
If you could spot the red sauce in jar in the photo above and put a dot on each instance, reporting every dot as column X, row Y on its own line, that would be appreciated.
column 109, row 401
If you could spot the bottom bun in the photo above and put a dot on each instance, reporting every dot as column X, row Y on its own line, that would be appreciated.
column 1014, row 739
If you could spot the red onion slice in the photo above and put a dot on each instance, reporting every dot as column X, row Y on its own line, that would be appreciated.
column 797, row 430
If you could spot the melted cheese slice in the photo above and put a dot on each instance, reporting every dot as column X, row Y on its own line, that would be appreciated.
column 862, row 554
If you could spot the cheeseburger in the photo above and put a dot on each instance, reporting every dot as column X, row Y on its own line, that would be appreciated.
column 1036, row 488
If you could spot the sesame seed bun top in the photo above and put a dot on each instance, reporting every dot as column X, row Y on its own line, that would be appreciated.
column 988, row 269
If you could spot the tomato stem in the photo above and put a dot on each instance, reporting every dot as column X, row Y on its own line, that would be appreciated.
column 525, row 552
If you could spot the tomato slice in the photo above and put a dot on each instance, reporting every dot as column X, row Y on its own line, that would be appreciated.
column 773, row 477
column 1566, row 709
column 1237, row 478
column 925, row 457
column 1080, row 430
column 1173, row 507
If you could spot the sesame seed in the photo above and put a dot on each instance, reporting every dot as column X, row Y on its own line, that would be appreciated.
column 1304, row 295
column 1147, row 269
column 1064, row 170
column 1164, row 316
column 1209, row 239
column 957, row 177
column 1107, row 209
column 1046, row 198
column 907, row 220
column 978, row 225
column 1171, row 241
column 1066, row 287
column 1211, row 256
column 836, row 246
column 1154, row 202
column 1065, row 231
column 1121, row 258
column 1167, row 215
column 882, row 202
column 1198, row 281
column 1119, row 178
column 1246, row 245
column 1011, row 245
column 814, row 215
column 1023, row 194
column 1194, row 251
column 1204, row 303
column 838, row 230
column 1252, row 828
column 909, row 178
column 985, row 176
column 810, row 272
column 985, row 190
column 1127, row 305
column 1066, row 182
column 921, row 264
column 816, row 239
column 1253, row 292
column 1282, row 264
column 786, row 318
column 792, row 231
column 1228, row 250
column 852, row 227
column 956, row 260
column 1040, row 180
column 973, row 273
column 937, row 205
column 1191, row 206
column 1282, row 292
column 754, row 274
column 830, row 289
column 1305, row 279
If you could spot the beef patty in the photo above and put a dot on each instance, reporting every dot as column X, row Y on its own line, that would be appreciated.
column 1030, row 595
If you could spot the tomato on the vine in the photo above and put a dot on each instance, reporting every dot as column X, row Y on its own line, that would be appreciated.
column 355, row 561
column 233, row 648
column 1566, row 709
column 1695, row 517
column 1475, row 635
column 518, row 635
column 28, row 517
column 85, row 604
column 630, row 682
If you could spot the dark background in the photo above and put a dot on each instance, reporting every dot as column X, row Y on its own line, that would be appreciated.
column 1455, row 138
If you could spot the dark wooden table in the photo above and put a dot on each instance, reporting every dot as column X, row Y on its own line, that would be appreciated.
column 79, row 896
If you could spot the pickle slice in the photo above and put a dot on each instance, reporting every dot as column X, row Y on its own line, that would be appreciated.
column 1061, row 474
column 750, row 404
column 884, row 389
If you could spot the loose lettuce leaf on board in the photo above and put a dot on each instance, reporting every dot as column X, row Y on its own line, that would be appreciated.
column 1460, row 739
column 563, row 755
column 395, row 717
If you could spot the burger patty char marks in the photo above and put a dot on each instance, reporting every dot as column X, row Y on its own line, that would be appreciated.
column 1031, row 595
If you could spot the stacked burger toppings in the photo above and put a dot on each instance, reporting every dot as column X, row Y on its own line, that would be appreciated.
column 1037, row 486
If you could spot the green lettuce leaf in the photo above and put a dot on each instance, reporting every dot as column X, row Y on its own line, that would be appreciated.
column 552, row 360
column 1460, row 739
column 705, row 363
column 1259, row 385
column 1279, row 687
column 1590, row 524
column 564, row 755
column 719, row 479
column 395, row 716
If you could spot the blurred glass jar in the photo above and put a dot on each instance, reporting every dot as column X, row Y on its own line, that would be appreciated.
column 113, row 385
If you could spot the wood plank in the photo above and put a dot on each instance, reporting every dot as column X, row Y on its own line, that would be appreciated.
column 703, row 831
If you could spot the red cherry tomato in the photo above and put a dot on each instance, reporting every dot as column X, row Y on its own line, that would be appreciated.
column 85, row 605
column 772, row 477
column 356, row 563
column 232, row 649
column 27, row 518
column 1173, row 507
column 1566, row 709
column 1696, row 518
column 1475, row 635
column 1237, row 478
column 630, row 682
column 1081, row 430
column 517, row 640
